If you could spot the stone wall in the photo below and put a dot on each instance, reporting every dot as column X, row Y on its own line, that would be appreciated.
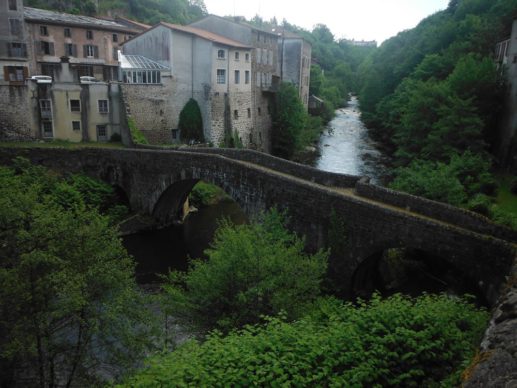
column 15, row 113
column 436, row 210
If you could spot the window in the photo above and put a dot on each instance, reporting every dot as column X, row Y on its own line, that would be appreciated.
column 17, row 50
column 237, row 76
column 75, row 105
column 46, row 128
column 235, row 114
column 90, row 50
column 47, row 48
column 251, row 138
column 16, row 74
column 115, row 38
column 115, row 53
column 103, row 106
column 259, row 110
column 85, row 70
column 221, row 76
column 258, row 37
column 237, row 55
column 67, row 32
column 141, row 76
column 45, row 109
column 15, row 26
column 220, row 54
column 102, row 132
column 247, row 77
column 76, row 125
column 247, row 57
column 175, row 134
column 43, row 30
column 49, row 69
column 249, row 113
column 12, row 5
column 89, row 34
column 70, row 50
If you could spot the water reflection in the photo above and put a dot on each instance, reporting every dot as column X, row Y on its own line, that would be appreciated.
column 157, row 251
column 346, row 147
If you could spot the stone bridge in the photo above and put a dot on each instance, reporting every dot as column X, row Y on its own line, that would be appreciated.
column 157, row 183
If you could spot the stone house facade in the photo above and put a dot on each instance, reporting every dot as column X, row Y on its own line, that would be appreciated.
column 506, row 56
column 58, row 45
column 294, row 63
column 264, row 71
column 213, row 70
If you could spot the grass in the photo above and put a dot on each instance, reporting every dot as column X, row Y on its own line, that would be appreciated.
column 59, row 144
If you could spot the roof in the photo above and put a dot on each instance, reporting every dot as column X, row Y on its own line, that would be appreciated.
column 52, row 17
column 139, row 62
column 205, row 35
column 240, row 21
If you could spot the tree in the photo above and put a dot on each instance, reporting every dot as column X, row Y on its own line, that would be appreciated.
column 68, row 300
column 252, row 270
column 289, row 120
column 191, row 122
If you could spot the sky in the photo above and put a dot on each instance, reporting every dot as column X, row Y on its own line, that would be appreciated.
column 350, row 19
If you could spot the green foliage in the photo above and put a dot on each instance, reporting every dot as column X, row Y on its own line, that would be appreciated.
column 146, row 11
column 137, row 136
column 289, row 122
column 204, row 194
column 252, row 270
column 394, row 342
column 191, row 123
column 67, row 282
column 454, row 182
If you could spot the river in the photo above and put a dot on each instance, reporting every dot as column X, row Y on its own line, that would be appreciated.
column 345, row 147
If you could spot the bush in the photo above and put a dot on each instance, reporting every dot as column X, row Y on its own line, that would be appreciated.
column 191, row 123
column 204, row 194
column 252, row 270
column 480, row 204
column 394, row 342
column 513, row 186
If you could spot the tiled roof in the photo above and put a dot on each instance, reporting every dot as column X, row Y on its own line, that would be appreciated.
column 44, row 15
column 206, row 35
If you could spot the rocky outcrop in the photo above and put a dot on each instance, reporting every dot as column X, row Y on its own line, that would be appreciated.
column 497, row 366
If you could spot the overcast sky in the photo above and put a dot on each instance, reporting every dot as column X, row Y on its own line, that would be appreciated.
column 352, row 19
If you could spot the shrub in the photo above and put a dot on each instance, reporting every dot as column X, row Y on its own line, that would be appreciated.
column 191, row 122
column 204, row 194
column 393, row 342
column 252, row 270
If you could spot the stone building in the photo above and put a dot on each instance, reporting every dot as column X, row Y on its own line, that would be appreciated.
column 506, row 57
column 210, row 68
column 264, row 70
column 294, row 64
column 91, row 44
column 43, row 54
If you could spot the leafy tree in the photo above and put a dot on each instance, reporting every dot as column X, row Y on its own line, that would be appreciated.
column 395, row 342
column 289, row 120
column 252, row 270
column 68, row 300
column 191, row 122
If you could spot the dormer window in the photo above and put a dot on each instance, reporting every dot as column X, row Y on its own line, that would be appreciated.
column 220, row 54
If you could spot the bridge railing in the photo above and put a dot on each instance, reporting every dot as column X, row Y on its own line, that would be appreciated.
column 437, row 210
column 311, row 174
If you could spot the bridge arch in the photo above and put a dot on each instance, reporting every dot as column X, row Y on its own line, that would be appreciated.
column 411, row 270
column 168, row 207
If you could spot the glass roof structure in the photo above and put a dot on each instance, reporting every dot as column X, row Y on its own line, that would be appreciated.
column 139, row 62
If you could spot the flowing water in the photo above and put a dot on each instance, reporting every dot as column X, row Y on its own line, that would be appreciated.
column 346, row 147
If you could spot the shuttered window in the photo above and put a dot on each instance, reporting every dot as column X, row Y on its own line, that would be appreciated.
column 90, row 50
column 47, row 48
